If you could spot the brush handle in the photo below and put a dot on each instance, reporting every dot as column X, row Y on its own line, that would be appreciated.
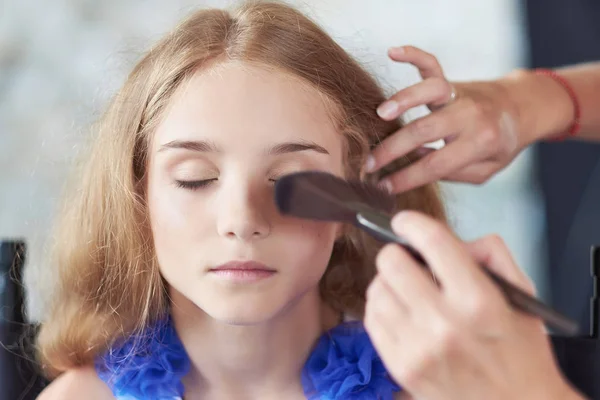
column 379, row 225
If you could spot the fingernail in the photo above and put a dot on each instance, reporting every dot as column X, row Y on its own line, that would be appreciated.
column 388, row 109
column 397, row 50
column 385, row 185
column 370, row 164
column 399, row 218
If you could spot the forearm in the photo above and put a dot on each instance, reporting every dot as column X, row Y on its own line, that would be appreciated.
column 544, row 108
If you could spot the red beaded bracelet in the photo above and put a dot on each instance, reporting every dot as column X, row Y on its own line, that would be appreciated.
column 576, row 126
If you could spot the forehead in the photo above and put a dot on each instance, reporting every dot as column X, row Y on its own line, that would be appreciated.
column 248, row 105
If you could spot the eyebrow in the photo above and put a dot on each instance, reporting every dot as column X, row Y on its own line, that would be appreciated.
column 205, row 146
column 202, row 146
column 293, row 147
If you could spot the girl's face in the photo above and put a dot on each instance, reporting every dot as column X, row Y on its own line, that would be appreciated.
column 226, row 137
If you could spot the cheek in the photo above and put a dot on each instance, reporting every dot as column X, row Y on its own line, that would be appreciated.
column 173, row 210
column 172, row 214
column 164, row 217
column 166, row 212
column 314, row 243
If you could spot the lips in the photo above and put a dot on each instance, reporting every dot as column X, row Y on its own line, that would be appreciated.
column 242, row 271
column 243, row 266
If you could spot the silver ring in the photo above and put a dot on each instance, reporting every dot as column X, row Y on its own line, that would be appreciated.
column 452, row 95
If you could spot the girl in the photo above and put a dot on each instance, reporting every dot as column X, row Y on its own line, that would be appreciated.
column 178, row 277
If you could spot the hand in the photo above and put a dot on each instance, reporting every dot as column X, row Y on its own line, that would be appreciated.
column 462, row 341
column 477, row 122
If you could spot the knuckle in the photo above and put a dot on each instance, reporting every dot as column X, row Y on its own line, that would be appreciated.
column 421, row 129
column 412, row 373
column 430, row 59
column 486, row 176
column 403, row 98
column 435, row 166
column 434, row 235
column 447, row 337
column 479, row 178
column 488, row 138
column 412, row 49
column 441, row 87
column 411, row 376
column 494, row 240
column 386, row 151
column 478, row 308
column 417, row 128
column 476, row 109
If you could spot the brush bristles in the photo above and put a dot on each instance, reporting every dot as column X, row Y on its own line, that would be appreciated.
column 323, row 196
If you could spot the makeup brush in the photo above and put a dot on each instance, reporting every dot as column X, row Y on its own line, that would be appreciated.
column 322, row 196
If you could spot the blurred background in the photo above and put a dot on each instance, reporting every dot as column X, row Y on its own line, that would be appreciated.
column 61, row 60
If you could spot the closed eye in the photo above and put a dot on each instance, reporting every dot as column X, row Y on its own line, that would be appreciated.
column 194, row 185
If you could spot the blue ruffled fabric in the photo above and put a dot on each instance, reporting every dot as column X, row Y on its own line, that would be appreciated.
column 146, row 366
column 343, row 366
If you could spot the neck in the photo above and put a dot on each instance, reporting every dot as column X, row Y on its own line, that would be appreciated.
column 249, row 361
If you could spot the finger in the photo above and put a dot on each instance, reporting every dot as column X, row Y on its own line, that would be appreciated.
column 427, row 63
column 492, row 252
column 449, row 98
column 437, row 125
column 393, row 348
column 435, row 166
column 383, row 337
column 385, row 309
column 460, row 276
column 477, row 173
column 433, row 92
column 407, row 280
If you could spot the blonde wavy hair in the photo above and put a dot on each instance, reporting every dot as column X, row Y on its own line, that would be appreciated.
column 109, row 281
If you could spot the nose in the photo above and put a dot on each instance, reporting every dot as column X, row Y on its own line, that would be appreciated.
column 243, row 214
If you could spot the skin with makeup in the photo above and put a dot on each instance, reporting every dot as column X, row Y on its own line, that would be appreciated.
column 174, row 218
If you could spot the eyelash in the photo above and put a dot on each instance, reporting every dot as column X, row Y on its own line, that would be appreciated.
column 195, row 185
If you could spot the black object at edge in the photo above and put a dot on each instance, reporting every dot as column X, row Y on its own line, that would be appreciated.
column 579, row 358
column 594, row 301
column 19, row 374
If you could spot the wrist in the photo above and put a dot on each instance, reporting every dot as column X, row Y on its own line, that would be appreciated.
column 570, row 393
column 564, row 391
column 543, row 107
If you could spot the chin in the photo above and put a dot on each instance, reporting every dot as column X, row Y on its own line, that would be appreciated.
column 242, row 316
column 242, row 308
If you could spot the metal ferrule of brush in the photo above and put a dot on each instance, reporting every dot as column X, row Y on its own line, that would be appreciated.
column 379, row 226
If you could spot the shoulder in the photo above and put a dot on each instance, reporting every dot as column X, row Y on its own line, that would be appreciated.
column 77, row 384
